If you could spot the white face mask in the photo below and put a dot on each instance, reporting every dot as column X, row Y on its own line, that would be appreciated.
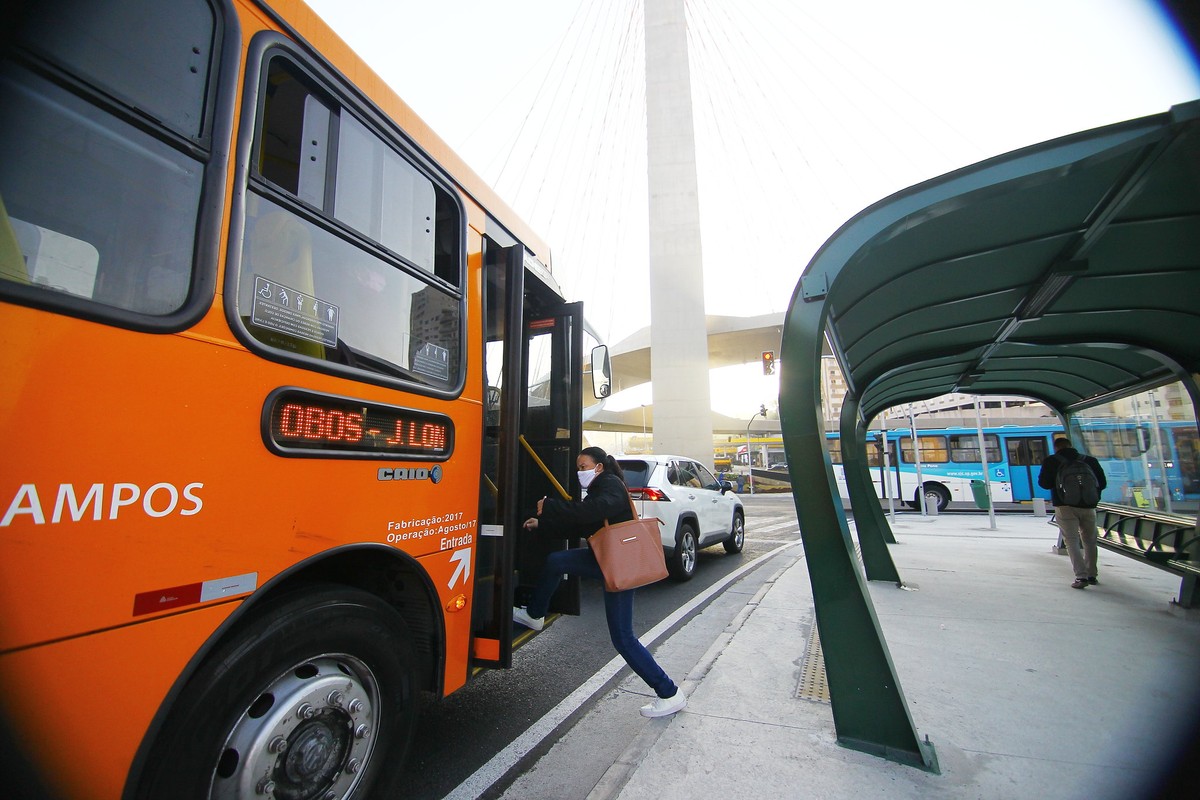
column 586, row 476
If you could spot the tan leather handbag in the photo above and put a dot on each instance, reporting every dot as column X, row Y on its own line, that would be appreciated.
column 630, row 554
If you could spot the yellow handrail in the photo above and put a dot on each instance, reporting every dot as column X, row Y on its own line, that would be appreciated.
column 544, row 468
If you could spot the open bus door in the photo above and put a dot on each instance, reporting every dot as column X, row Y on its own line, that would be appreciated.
column 533, row 429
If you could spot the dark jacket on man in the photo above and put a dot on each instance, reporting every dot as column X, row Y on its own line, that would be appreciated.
column 1048, row 479
column 607, row 498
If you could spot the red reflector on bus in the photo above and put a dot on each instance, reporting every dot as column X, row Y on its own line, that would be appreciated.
column 161, row 600
column 194, row 593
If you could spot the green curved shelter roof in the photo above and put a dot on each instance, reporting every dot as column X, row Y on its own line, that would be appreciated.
column 1068, row 271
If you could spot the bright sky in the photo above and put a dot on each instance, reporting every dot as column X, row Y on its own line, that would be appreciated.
column 805, row 113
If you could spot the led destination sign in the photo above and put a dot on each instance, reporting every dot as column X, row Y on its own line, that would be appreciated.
column 306, row 424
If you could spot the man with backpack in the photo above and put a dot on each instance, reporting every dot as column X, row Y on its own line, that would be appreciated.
column 1075, row 482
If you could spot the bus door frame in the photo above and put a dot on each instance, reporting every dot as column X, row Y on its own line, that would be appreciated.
column 492, row 632
column 563, row 323
column 1015, row 443
column 526, row 299
column 893, row 445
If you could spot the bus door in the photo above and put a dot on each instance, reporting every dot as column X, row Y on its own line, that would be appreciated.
column 885, row 488
column 875, row 468
column 1187, row 458
column 1025, row 457
column 552, row 436
column 532, row 407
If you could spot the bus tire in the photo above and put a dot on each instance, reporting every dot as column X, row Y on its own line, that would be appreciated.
column 314, row 696
column 737, row 535
column 933, row 492
column 682, row 563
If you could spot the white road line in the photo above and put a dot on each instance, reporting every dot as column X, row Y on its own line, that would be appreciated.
column 506, row 759
column 777, row 526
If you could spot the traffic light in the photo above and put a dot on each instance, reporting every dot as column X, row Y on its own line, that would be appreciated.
column 768, row 362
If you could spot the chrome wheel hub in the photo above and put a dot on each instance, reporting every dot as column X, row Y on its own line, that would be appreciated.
column 306, row 735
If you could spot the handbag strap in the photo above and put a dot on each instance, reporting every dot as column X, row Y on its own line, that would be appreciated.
column 632, row 508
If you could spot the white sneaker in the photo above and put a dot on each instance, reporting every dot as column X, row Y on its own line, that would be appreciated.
column 665, row 706
column 520, row 615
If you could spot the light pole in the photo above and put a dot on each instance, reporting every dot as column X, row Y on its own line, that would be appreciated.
column 983, row 464
column 916, row 443
column 762, row 412
column 1163, row 455
column 1142, row 449
column 644, row 429
column 885, row 471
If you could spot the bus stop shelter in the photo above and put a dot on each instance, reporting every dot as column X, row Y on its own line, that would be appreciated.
column 1068, row 272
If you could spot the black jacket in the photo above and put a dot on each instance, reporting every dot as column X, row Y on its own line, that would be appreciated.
column 1048, row 478
column 607, row 498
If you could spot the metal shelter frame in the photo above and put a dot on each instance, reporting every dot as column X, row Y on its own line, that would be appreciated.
column 1068, row 272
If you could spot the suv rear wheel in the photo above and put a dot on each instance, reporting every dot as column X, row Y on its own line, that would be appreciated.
column 682, row 563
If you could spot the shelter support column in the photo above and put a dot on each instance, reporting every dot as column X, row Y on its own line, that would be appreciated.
column 869, row 709
column 872, row 526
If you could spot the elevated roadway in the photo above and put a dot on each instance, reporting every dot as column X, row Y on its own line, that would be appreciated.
column 731, row 341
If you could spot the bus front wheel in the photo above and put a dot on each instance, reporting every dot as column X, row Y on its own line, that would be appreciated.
column 314, row 697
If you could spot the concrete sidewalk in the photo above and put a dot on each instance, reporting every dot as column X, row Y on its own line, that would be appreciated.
column 1027, row 688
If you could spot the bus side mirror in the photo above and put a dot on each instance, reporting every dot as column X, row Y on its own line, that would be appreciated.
column 601, row 372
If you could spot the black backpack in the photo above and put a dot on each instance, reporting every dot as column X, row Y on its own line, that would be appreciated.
column 1077, row 484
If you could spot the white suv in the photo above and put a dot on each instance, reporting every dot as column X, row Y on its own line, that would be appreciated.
column 697, row 510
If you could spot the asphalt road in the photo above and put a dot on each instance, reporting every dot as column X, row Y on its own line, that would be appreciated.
column 457, row 735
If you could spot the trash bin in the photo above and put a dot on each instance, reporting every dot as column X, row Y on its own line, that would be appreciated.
column 979, row 490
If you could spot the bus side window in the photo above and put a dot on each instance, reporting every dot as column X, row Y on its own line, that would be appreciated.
column 280, row 248
column 101, row 194
column 382, row 196
column 874, row 454
column 964, row 448
column 294, row 146
column 933, row 449
column 375, row 190
column 1097, row 444
column 358, row 262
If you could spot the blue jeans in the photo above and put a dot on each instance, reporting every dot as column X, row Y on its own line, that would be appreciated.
column 618, row 608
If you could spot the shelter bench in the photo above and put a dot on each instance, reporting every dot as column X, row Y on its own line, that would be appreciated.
column 1167, row 541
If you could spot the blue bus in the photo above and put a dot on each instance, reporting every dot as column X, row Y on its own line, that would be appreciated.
column 1151, row 467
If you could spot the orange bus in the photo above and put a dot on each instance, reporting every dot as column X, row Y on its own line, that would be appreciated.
column 282, row 377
